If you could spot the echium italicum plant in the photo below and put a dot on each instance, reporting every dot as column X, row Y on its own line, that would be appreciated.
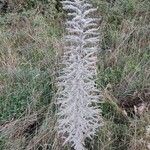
column 77, row 97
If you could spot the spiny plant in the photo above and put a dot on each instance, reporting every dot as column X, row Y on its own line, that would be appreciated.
column 77, row 98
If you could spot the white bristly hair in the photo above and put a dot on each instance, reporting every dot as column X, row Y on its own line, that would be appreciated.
column 77, row 97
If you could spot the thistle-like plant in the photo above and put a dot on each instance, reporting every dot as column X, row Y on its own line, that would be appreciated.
column 78, row 115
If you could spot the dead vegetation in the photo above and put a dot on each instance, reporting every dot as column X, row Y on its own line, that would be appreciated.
column 30, row 48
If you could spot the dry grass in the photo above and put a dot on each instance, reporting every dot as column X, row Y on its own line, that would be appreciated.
column 30, row 49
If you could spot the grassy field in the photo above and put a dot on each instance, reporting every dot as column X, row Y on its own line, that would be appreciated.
column 30, row 51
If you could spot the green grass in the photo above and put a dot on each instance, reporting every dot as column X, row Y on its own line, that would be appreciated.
column 30, row 49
